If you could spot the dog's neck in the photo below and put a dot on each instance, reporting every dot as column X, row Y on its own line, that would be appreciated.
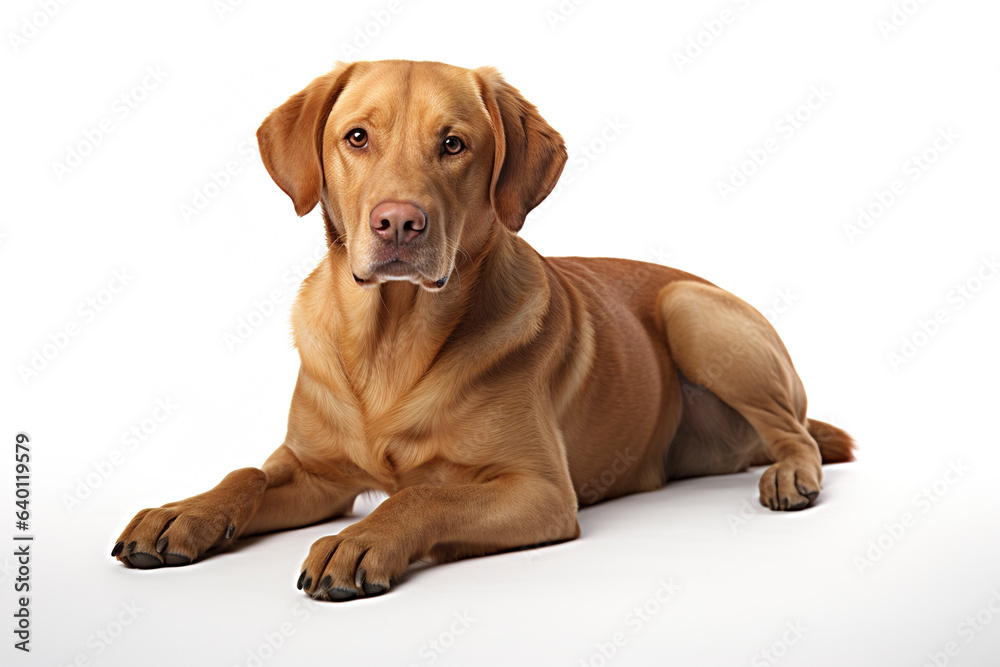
column 382, row 340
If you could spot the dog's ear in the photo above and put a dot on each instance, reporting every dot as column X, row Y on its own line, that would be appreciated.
column 291, row 138
column 528, row 156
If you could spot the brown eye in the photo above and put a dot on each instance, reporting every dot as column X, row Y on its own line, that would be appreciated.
column 357, row 138
column 453, row 145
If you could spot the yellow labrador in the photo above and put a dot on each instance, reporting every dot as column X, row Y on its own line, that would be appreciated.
column 488, row 390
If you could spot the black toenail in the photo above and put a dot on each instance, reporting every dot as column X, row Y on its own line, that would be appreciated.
column 230, row 530
column 325, row 584
column 161, row 544
column 144, row 561
column 129, row 547
column 308, row 583
column 302, row 577
column 176, row 559
column 118, row 549
column 374, row 589
column 342, row 594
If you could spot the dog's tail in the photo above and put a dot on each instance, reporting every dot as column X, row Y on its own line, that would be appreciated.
column 835, row 446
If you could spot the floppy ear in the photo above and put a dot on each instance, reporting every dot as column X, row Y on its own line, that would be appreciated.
column 528, row 156
column 291, row 138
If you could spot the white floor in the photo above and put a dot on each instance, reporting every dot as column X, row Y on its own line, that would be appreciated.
column 894, row 332
column 688, row 575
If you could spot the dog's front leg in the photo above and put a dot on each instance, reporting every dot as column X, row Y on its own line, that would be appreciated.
column 279, row 495
column 509, row 511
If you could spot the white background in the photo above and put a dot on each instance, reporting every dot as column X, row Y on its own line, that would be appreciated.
column 659, row 137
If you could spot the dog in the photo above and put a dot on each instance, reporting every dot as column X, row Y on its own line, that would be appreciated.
column 489, row 391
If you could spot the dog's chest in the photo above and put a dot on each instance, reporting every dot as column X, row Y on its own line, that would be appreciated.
column 391, row 437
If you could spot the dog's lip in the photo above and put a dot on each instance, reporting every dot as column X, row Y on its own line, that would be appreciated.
column 395, row 268
column 390, row 269
column 400, row 270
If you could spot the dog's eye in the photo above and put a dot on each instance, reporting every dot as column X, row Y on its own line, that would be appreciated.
column 357, row 138
column 453, row 145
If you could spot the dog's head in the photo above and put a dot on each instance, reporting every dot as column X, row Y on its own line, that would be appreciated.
column 412, row 163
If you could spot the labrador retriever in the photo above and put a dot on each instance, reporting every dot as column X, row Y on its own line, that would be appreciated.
column 489, row 391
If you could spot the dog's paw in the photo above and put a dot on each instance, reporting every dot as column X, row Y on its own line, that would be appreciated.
column 789, row 485
column 179, row 533
column 171, row 535
column 357, row 562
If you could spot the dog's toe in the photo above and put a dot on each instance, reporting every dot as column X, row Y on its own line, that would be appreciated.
column 144, row 561
column 338, row 594
column 789, row 486
column 371, row 590
column 356, row 563
column 172, row 535
column 175, row 559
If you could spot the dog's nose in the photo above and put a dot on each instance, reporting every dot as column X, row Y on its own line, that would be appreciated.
column 397, row 221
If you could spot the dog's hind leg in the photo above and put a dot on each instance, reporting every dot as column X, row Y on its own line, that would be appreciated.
column 722, row 343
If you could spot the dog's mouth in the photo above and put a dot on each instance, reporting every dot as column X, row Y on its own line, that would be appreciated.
column 395, row 269
column 398, row 269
